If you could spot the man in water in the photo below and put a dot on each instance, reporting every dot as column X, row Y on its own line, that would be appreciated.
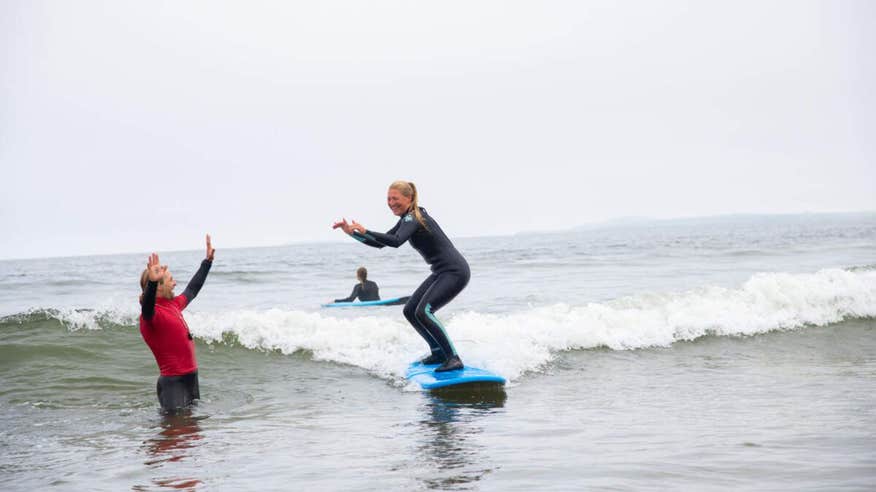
column 365, row 290
column 166, row 333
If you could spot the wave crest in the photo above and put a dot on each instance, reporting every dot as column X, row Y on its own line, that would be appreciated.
column 74, row 318
column 515, row 343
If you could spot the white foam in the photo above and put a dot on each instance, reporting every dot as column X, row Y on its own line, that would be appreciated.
column 91, row 319
column 515, row 343
column 383, row 346
column 524, row 341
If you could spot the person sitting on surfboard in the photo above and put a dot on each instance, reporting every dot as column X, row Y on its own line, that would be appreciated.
column 450, row 271
column 365, row 290
column 166, row 333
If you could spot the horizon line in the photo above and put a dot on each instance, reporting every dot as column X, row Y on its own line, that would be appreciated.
column 613, row 222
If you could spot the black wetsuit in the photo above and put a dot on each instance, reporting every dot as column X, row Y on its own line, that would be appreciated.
column 174, row 346
column 178, row 392
column 367, row 292
column 450, row 274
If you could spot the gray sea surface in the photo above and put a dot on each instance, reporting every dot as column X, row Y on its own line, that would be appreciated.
column 726, row 353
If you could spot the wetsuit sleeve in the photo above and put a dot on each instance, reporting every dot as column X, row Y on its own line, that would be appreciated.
column 197, row 281
column 398, row 235
column 147, row 305
column 353, row 295
column 367, row 240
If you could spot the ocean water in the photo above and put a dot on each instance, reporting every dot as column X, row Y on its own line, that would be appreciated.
column 729, row 353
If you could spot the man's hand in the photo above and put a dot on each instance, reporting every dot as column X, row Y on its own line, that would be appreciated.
column 357, row 227
column 210, row 250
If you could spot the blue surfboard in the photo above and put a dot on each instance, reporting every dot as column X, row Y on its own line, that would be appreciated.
column 428, row 379
column 383, row 302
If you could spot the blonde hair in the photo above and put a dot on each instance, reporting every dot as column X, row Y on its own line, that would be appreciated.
column 362, row 275
column 408, row 190
column 144, row 277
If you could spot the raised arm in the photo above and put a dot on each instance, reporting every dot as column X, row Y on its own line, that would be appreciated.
column 147, row 301
column 200, row 276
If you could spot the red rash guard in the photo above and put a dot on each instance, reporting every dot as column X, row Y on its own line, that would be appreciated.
column 165, row 330
column 167, row 335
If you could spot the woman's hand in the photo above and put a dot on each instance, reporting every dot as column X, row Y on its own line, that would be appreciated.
column 210, row 250
column 344, row 226
column 156, row 270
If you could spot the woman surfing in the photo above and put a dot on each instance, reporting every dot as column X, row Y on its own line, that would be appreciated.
column 450, row 271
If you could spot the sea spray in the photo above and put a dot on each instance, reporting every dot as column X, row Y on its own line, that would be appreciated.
column 515, row 343
column 525, row 340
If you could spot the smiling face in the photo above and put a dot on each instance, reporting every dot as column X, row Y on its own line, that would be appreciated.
column 398, row 203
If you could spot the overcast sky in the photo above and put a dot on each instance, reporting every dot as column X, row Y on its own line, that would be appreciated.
column 138, row 126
